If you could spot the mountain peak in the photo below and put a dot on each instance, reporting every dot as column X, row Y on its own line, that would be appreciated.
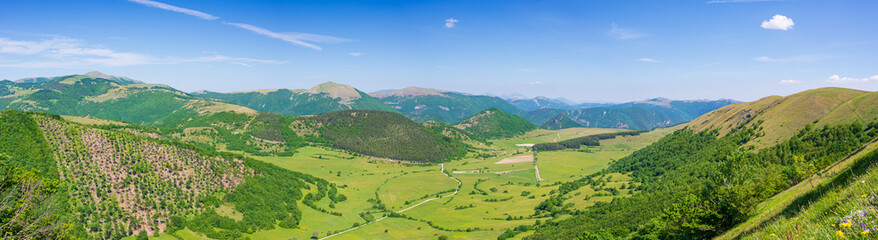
column 96, row 74
column 412, row 91
column 336, row 90
column 117, row 79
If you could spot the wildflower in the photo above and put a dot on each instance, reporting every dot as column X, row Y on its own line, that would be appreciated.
column 864, row 232
column 772, row 235
column 864, row 195
column 839, row 233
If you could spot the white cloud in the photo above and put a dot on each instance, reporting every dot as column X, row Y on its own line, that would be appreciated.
column 69, row 53
column 838, row 79
column 623, row 34
column 356, row 54
column 173, row 8
column 535, row 83
column 301, row 39
column 789, row 82
column 778, row 22
column 450, row 23
column 649, row 60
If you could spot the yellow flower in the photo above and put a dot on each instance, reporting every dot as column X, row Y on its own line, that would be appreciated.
column 839, row 233
column 864, row 195
column 865, row 232
column 772, row 235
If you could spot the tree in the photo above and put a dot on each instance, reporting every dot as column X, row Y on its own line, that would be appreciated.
column 142, row 235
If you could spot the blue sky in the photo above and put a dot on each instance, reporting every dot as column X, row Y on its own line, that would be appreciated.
column 597, row 51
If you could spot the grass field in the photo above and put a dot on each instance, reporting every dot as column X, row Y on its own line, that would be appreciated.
column 492, row 198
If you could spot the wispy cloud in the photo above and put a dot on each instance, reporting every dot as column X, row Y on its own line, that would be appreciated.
column 649, row 60
column 535, row 83
column 173, row 8
column 450, row 23
column 301, row 39
column 624, row 34
column 69, row 53
column 789, row 82
column 802, row 58
column 778, row 22
column 356, row 54
column 741, row 1
column 839, row 79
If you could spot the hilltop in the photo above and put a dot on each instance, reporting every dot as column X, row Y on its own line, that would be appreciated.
column 322, row 98
column 82, row 95
column 382, row 134
column 494, row 123
column 782, row 117
column 560, row 121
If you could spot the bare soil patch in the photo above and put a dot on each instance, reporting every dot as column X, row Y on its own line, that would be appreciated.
column 517, row 159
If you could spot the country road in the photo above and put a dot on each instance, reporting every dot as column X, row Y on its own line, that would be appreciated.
column 442, row 170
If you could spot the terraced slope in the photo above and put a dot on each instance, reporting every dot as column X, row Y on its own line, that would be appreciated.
column 105, row 183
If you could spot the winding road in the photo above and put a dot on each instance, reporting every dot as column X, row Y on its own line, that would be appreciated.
column 442, row 170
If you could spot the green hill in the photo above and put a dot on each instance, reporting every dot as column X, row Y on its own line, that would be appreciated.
column 494, row 123
column 424, row 104
column 382, row 134
column 323, row 98
column 97, row 183
column 81, row 95
column 701, row 182
column 560, row 121
column 449, row 131
column 782, row 117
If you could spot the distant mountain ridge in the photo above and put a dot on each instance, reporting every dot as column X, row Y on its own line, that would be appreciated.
column 322, row 98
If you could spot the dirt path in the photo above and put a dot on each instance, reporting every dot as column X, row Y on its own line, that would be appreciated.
column 442, row 170
column 537, row 168
column 556, row 139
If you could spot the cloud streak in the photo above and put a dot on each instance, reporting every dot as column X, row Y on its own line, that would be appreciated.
column 71, row 53
column 623, row 34
column 173, row 8
column 301, row 39
column 838, row 79
column 789, row 82
column 650, row 60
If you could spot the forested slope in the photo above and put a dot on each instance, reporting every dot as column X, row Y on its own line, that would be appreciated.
column 323, row 98
column 382, row 134
column 110, row 184
column 494, row 123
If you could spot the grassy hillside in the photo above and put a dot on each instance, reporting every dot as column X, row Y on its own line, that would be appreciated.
column 383, row 134
column 695, row 185
column 81, row 95
column 259, row 134
column 423, row 104
column 782, row 117
column 560, row 121
column 323, row 98
column 494, row 123
column 118, row 184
